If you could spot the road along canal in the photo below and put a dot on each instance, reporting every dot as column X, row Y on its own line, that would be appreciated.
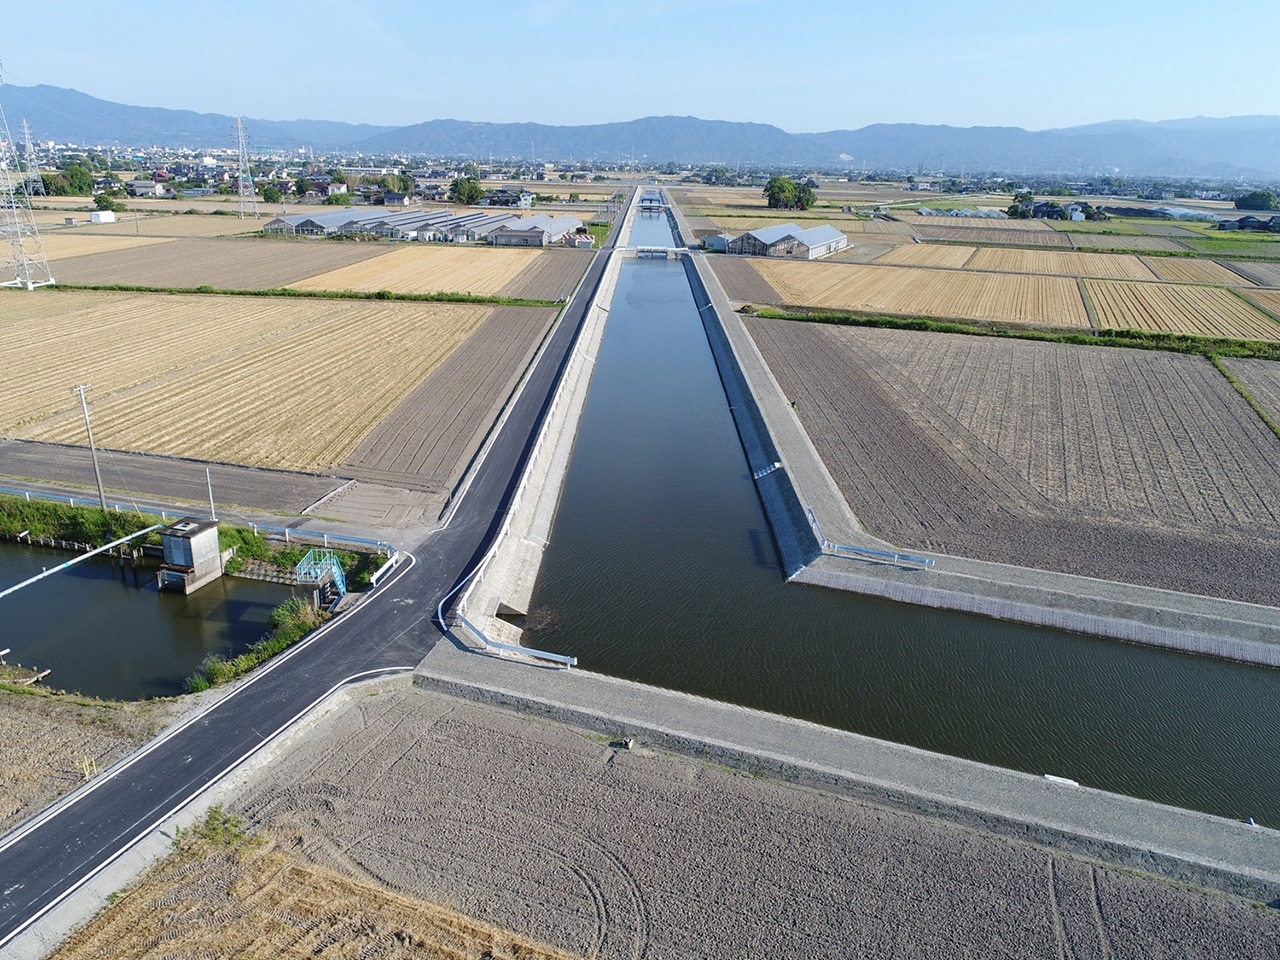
column 661, row 569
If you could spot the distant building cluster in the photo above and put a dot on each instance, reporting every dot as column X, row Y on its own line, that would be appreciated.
column 782, row 240
column 438, row 226
column 1251, row 222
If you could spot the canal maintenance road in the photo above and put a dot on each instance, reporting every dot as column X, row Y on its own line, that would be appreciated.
column 48, row 858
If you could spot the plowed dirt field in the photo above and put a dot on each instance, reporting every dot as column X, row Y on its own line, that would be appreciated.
column 1188, row 270
column 249, row 264
column 1129, row 465
column 615, row 853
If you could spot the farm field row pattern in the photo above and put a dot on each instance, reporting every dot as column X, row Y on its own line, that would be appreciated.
column 1010, row 298
column 430, row 268
column 1138, row 466
column 923, row 291
column 1170, row 308
column 288, row 384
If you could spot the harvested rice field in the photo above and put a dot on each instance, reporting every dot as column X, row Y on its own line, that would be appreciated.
column 1100, row 241
column 1264, row 274
column 63, row 246
column 1175, row 308
column 977, row 223
column 427, row 440
column 1139, row 466
column 430, row 268
column 1266, row 299
column 978, row 235
column 173, row 225
column 249, row 264
column 922, row 291
column 276, row 383
column 1188, row 270
column 928, row 255
column 738, row 225
column 1063, row 263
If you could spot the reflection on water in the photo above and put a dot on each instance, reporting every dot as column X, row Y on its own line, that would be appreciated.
column 104, row 629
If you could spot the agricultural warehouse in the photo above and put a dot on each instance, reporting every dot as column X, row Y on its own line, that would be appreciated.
column 535, row 231
column 788, row 240
column 433, row 225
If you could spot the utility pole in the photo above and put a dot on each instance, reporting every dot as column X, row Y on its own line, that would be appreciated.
column 93, row 451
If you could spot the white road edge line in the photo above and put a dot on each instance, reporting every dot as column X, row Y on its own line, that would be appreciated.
column 66, row 803
column 181, row 804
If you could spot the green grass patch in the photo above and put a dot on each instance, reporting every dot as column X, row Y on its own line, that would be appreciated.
column 61, row 521
column 217, row 829
column 1139, row 339
column 357, row 566
column 287, row 623
column 600, row 231
column 1249, row 246
column 289, row 293
column 1122, row 228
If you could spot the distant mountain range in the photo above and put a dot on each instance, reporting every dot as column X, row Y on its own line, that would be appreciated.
column 1201, row 147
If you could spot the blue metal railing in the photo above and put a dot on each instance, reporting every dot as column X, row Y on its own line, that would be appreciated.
column 321, row 565
column 905, row 560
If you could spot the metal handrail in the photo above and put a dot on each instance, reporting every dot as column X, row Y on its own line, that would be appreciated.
column 906, row 561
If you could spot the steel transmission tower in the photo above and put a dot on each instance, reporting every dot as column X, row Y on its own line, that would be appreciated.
column 248, row 201
column 21, row 252
column 36, row 182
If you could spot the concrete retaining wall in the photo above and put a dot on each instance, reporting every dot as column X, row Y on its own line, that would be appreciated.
column 793, row 536
column 1181, row 845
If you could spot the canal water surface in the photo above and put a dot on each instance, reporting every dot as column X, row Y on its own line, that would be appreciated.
column 661, row 569
column 105, row 632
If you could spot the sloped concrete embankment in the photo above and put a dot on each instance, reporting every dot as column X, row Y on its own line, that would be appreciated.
column 504, row 584
column 794, row 537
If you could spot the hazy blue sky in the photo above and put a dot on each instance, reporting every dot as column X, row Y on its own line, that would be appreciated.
column 803, row 66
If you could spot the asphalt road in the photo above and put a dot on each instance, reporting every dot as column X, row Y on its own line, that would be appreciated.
column 44, row 861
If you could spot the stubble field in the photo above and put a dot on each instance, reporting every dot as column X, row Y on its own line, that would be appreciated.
column 288, row 384
column 1138, row 466
column 430, row 268
column 1170, row 308
column 928, row 255
column 1188, row 270
column 171, row 225
column 1064, row 263
column 949, row 231
column 427, row 440
column 60, row 246
column 922, row 291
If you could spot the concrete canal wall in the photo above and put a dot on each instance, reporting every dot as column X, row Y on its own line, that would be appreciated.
column 771, row 432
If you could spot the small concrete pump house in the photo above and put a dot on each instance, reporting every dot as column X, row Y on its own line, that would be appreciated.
column 191, row 555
